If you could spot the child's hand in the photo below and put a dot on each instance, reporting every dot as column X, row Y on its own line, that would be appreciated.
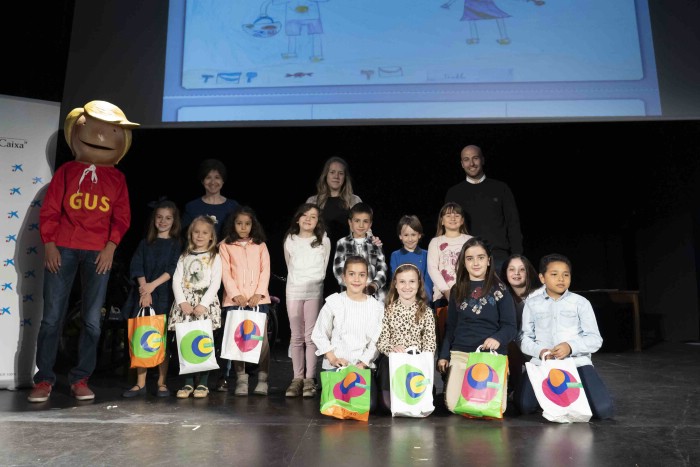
column 561, row 351
column 335, row 361
column 544, row 351
column 146, row 288
column 361, row 365
column 442, row 365
column 254, row 300
column 199, row 310
column 145, row 300
column 240, row 300
column 376, row 241
column 186, row 308
column 340, row 362
column 490, row 344
column 399, row 349
column 370, row 289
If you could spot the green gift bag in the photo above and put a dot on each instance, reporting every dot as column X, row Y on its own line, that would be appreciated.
column 345, row 393
column 484, row 386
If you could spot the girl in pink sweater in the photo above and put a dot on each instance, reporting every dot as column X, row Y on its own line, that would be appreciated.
column 246, row 275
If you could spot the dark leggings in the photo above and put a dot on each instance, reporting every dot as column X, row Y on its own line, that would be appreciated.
column 202, row 381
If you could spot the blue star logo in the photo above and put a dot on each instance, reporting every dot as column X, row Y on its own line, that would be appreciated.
column 35, row 204
column 9, row 262
column 26, row 322
column 12, row 214
column 15, row 191
column 34, row 226
column 32, row 249
column 36, row 180
column 28, row 298
column 6, row 286
column 29, row 274
column 11, row 238
column 17, row 168
column 5, row 310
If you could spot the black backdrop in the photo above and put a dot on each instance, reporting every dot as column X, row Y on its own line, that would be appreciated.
column 582, row 189
column 597, row 192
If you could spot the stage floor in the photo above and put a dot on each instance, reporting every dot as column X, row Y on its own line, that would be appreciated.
column 657, row 394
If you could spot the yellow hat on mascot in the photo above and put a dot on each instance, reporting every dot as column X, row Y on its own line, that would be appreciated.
column 95, row 145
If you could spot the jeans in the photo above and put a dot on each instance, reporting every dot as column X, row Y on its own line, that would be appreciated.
column 57, row 289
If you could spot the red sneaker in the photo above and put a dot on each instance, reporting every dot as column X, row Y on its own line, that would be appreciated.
column 81, row 391
column 40, row 393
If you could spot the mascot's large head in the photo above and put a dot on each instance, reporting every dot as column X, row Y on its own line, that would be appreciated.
column 98, row 133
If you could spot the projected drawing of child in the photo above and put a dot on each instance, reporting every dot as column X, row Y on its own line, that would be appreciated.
column 476, row 10
column 300, row 14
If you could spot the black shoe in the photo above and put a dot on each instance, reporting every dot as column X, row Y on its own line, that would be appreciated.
column 222, row 385
column 135, row 392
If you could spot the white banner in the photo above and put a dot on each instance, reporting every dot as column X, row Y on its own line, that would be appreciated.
column 28, row 135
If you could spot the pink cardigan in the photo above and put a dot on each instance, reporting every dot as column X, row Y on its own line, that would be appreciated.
column 246, row 271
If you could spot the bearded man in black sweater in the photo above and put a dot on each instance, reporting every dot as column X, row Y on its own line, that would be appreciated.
column 489, row 207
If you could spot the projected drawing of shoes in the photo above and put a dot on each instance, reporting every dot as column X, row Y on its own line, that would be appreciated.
column 289, row 55
column 316, row 58
column 473, row 40
column 505, row 41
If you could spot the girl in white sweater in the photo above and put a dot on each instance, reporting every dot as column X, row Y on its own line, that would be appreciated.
column 306, row 252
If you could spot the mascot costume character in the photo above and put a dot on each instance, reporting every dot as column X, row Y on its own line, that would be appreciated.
column 84, row 216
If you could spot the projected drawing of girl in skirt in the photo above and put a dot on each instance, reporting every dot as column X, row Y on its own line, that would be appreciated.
column 477, row 10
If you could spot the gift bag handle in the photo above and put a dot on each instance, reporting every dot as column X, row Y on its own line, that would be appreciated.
column 544, row 357
column 142, row 311
column 493, row 352
column 340, row 368
column 413, row 350
column 255, row 308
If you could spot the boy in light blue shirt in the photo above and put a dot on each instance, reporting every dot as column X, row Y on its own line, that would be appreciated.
column 563, row 323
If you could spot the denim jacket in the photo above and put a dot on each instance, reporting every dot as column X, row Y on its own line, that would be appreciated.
column 548, row 322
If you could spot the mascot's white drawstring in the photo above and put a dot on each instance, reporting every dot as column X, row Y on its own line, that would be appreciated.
column 93, row 176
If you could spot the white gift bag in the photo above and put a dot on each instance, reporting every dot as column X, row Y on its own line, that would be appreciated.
column 559, row 391
column 244, row 333
column 411, row 383
column 195, row 346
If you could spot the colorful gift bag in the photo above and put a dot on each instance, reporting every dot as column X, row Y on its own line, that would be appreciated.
column 195, row 346
column 559, row 391
column 147, row 340
column 411, row 383
column 345, row 393
column 244, row 332
column 484, row 386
